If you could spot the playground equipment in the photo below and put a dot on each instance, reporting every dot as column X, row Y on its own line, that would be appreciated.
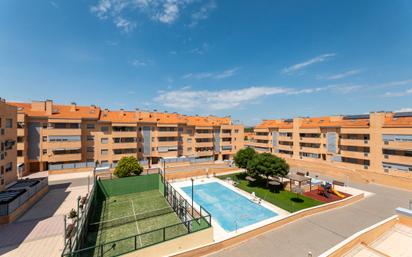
column 327, row 188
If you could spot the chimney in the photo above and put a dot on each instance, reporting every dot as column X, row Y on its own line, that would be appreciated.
column 122, row 112
column 73, row 107
column 49, row 107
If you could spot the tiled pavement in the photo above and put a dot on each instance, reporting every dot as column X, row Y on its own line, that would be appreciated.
column 320, row 232
column 39, row 232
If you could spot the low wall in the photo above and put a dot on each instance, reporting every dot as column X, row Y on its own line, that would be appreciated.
column 264, row 229
column 200, row 172
column 24, row 207
column 179, row 244
column 394, row 179
column 65, row 171
column 370, row 234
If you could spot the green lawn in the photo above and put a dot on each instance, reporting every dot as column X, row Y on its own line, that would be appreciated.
column 284, row 199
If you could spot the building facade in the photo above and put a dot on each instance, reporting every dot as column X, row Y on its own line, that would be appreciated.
column 379, row 141
column 8, row 137
column 51, row 134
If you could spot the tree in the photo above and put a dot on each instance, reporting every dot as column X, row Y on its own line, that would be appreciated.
column 266, row 164
column 128, row 166
column 243, row 156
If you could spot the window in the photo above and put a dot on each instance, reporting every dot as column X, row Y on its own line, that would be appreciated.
column 140, row 150
column 90, row 149
column 44, row 125
column 104, row 129
column 9, row 166
column 189, row 149
column 44, row 151
column 20, row 124
column 189, row 140
column 90, row 126
column 104, row 152
column 189, row 131
column 180, row 129
column 19, row 153
column 20, row 139
column 9, row 123
column 236, row 131
column 90, row 138
column 104, row 140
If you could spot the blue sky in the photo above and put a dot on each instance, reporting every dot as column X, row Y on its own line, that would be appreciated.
column 248, row 59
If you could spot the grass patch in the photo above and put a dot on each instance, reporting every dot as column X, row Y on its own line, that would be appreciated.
column 286, row 200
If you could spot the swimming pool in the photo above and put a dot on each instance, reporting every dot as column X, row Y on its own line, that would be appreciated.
column 228, row 208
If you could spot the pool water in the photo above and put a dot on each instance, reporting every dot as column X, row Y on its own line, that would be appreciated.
column 228, row 208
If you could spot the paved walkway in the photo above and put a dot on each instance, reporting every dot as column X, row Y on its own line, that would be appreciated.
column 320, row 232
column 39, row 232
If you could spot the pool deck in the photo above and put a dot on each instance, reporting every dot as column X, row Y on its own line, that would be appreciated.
column 318, row 233
column 219, row 233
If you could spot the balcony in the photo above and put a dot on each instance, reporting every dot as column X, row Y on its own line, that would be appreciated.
column 167, row 134
column 20, row 132
column 204, row 153
column 226, row 143
column 261, row 137
column 165, row 154
column 204, row 144
column 256, row 144
column 398, row 159
column 310, row 150
column 226, row 135
column 20, row 146
column 354, row 142
column 63, row 144
column 285, row 138
column 358, row 131
column 354, row 154
column 124, row 133
column 285, row 147
column 124, row 145
column 64, row 132
column 398, row 145
column 204, row 135
column 167, row 143
column 65, row 157
column 117, row 157
column 315, row 140
column 285, row 155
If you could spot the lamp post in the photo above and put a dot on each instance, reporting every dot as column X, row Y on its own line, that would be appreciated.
column 192, row 194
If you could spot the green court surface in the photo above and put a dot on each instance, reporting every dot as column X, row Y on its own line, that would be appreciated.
column 141, row 213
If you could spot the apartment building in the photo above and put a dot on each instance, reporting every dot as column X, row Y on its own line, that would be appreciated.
column 379, row 141
column 51, row 134
column 8, row 137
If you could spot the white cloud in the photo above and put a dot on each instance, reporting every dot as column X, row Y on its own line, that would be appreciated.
column 199, row 50
column 163, row 11
column 299, row 66
column 398, row 94
column 202, row 13
column 187, row 99
column 404, row 110
column 139, row 63
column 124, row 25
column 395, row 83
column 342, row 75
column 215, row 75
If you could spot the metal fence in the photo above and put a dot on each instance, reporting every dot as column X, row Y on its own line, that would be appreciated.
column 75, row 165
column 75, row 234
column 191, row 221
column 30, row 191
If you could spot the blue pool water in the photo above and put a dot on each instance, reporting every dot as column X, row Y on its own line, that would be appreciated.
column 231, row 210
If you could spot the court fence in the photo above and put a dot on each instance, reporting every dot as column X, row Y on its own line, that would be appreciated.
column 191, row 220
